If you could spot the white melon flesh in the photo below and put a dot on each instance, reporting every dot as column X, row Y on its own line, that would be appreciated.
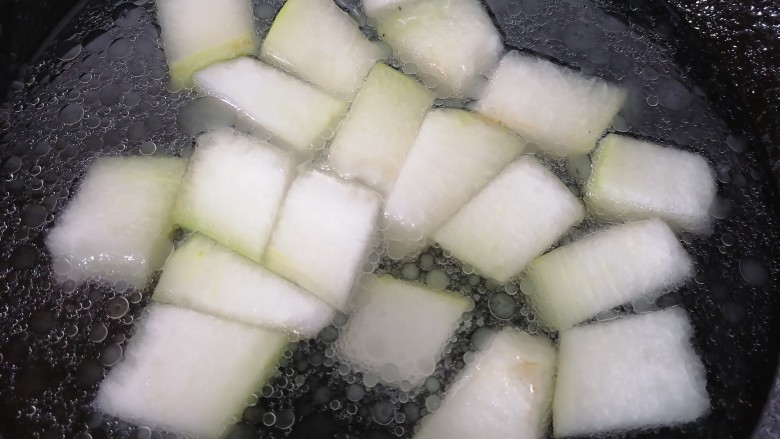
column 455, row 154
column 189, row 373
column 397, row 331
column 505, row 393
column 374, row 8
column 450, row 44
column 323, row 235
column 117, row 227
column 518, row 216
column 316, row 40
column 232, row 190
column 610, row 268
column 636, row 372
column 197, row 33
column 636, row 179
column 299, row 114
column 561, row 110
column 205, row 276
column 374, row 139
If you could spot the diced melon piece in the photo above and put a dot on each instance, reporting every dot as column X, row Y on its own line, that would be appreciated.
column 233, row 189
column 209, row 278
column 117, row 227
column 636, row 372
column 610, row 268
column 323, row 235
column 505, row 393
column 319, row 42
column 518, row 216
column 372, row 142
column 398, row 331
column 298, row 113
column 636, row 179
column 188, row 372
column 197, row 33
column 455, row 154
column 561, row 110
column 374, row 8
column 449, row 43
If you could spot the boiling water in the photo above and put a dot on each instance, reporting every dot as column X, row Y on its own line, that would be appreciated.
column 100, row 89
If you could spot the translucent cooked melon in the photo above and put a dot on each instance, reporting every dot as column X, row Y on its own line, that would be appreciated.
column 561, row 110
column 374, row 8
column 189, row 373
column 518, row 216
column 299, row 114
column 319, row 42
column 397, row 330
column 197, row 33
column 455, row 154
column 117, row 227
column 372, row 142
column 636, row 179
column 232, row 190
column 429, row 37
column 505, row 393
column 636, row 372
column 323, row 235
column 609, row 268
column 205, row 276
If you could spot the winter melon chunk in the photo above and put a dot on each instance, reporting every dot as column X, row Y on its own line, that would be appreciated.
column 117, row 227
column 323, row 234
column 299, row 114
column 636, row 179
column 635, row 372
column 561, row 110
column 397, row 331
column 609, row 268
column 197, row 33
column 233, row 189
column 373, row 140
column 450, row 44
column 317, row 41
column 205, row 276
column 189, row 373
column 456, row 153
column 518, row 215
column 505, row 393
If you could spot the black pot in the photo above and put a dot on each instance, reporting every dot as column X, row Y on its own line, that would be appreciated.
column 53, row 340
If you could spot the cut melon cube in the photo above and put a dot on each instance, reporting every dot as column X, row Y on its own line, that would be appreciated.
column 374, row 8
column 189, row 373
column 373, row 140
column 455, row 154
column 635, row 372
column 299, row 114
column 430, row 37
column 323, row 235
column 636, row 179
column 561, row 110
column 233, row 189
column 197, row 33
column 320, row 43
column 610, row 268
column 505, row 393
column 117, row 227
column 205, row 276
column 518, row 216
column 398, row 331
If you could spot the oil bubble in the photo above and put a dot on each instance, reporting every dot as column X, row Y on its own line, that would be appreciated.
column 34, row 215
column 437, row 279
column 502, row 305
column 432, row 403
column 383, row 412
column 71, row 114
column 117, row 307
column 754, row 271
